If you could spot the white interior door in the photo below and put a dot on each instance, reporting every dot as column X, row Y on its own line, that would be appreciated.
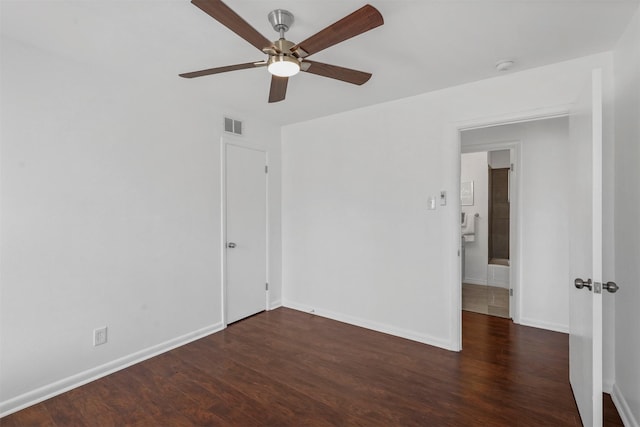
column 585, row 340
column 246, row 231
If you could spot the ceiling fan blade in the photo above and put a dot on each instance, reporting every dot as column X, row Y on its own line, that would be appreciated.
column 360, row 21
column 278, row 88
column 334, row 72
column 227, row 17
column 218, row 70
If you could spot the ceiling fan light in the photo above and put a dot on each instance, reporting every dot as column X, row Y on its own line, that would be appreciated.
column 283, row 66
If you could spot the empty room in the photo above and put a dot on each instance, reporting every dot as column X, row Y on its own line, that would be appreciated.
column 261, row 213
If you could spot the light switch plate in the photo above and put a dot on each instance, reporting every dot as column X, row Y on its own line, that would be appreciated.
column 431, row 203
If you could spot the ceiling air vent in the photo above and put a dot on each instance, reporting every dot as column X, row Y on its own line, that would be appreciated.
column 232, row 126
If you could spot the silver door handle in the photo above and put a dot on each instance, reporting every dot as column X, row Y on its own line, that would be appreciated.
column 231, row 245
column 611, row 287
column 579, row 283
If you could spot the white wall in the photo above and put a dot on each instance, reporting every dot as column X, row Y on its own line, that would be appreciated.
column 544, row 214
column 358, row 241
column 627, row 232
column 474, row 167
column 499, row 159
column 110, row 195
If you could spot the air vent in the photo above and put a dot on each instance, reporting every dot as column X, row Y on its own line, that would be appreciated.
column 232, row 126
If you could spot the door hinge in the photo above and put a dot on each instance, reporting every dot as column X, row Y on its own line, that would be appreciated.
column 266, row 169
column 512, row 168
column 511, row 292
column 266, row 286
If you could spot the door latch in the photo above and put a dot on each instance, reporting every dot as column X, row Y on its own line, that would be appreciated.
column 597, row 287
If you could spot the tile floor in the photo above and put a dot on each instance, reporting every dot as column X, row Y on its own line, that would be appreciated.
column 485, row 300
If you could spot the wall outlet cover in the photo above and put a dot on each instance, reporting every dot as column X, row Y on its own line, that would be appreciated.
column 99, row 336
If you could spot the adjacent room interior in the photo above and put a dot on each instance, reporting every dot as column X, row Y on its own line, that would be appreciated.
column 485, row 211
column 385, row 233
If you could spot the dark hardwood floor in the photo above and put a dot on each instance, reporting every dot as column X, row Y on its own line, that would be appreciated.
column 287, row 368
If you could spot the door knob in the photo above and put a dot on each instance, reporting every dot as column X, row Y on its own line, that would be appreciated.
column 579, row 283
column 231, row 245
column 611, row 287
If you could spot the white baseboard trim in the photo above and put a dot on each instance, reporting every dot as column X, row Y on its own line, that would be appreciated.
column 475, row 281
column 556, row 327
column 275, row 304
column 50, row 390
column 607, row 385
column 369, row 324
column 623, row 408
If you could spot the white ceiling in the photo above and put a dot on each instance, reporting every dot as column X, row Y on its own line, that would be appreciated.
column 424, row 45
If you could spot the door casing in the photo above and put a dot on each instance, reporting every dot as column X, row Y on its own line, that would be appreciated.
column 454, row 130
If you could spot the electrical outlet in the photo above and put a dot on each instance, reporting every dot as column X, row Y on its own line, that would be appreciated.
column 99, row 336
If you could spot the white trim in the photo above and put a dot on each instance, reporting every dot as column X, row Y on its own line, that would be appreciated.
column 475, row 281
column 516, row 117
column 368, row 324
column 267, row 230
column 50, row 390
column 275, row 304
column 534, row 323
column 225, row 141
column 607, row 385
column 623, row 408
column 223, row 229
column 452, row 135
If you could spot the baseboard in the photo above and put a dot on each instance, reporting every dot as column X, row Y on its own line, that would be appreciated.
column 556, row 327
column 48, row 391
column 275, row 304
column 474, row 281
column 369, row 324
column 480, row 282
column 623, row 408
column 607, row 386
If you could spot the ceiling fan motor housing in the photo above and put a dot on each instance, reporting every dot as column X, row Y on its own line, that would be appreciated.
column 283, row 46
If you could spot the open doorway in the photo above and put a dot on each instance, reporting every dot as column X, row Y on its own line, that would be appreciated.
column 485, row 229
column 540, row 216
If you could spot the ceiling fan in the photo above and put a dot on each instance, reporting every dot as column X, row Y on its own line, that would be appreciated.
column 285, row 58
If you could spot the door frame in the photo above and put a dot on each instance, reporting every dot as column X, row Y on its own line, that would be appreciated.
column 453, row 132
column 225, row 141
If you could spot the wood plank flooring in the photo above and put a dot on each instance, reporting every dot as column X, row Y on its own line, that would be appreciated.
column 287, row 368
